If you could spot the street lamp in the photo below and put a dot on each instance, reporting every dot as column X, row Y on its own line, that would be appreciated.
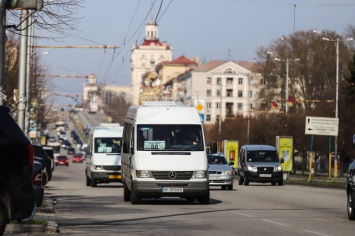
column 336, row 41
column 287, row 61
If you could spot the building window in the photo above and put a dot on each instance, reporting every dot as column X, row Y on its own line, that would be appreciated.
column 208, row 105
column 209, row 79
column 240, row 106
column 229, row 92
column 240, row 80
column 251, row 93
column 208, row 92
column 208, row 118
column 230, row 81
column 218, row 105
column 219, row 80
column 251, row 106
column 218, row 93
column 229, row 108
column 240, row 93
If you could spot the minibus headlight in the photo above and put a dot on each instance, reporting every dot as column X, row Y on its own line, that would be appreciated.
column 144, row 174
column 252, row 168
column 98, row 168
column 199, row 174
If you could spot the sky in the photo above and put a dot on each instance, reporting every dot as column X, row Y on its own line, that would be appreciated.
column 208, row 29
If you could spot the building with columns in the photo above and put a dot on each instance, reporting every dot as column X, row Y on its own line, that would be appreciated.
column 145, row 57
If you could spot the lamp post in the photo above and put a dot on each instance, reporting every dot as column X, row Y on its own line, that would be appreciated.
column 336, row 41
column 287, row 61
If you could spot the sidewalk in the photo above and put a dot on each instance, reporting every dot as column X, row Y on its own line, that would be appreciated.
column 42, row 222
column 318, row 180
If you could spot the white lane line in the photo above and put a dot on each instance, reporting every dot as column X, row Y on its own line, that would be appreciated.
column 274, row 222
column 316, row 233
column 242, row 214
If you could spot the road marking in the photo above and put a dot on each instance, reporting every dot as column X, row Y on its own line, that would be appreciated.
column 274, row 222
column 316, row 233
column 242, row 214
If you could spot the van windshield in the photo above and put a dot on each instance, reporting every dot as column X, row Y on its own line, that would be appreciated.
column 107, row 145
column 169, row 138
column 262, row 156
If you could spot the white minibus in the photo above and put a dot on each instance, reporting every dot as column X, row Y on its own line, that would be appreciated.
column 163, row 153
column 103, row 154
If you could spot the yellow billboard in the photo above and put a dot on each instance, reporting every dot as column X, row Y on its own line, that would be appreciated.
column 284, row 147
column 231, row 151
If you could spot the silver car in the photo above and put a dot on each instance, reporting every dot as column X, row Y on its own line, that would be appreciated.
column 220, row 171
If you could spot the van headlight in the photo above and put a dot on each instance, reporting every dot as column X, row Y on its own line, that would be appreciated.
column 228, row 172
column 98, row 167
column 252, row 168
column 144, row 174
column 199, row 174
column 277, row 168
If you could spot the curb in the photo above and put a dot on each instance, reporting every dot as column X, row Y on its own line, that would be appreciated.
column 43, row 213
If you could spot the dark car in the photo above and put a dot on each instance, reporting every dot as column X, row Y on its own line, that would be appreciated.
column 50, row 153
column 71, row 151
column 259, row 163
column 37, row 182
column 62, row 160
column 350, row 191
column 39, row 152
column 17, row 195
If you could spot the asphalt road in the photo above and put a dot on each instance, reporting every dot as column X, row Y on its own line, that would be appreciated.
column 258, row 209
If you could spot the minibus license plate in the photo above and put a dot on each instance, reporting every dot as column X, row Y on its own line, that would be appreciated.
column 114, row 177
column 171, row 190
column 265, row 175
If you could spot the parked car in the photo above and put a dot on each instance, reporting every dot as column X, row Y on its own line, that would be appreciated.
column 39, row 152
column 78, row 158
column 62, row 160
column 37, row 182
column 350, row 191
column 17, row 195
column 220, row 172
column 44, row 170
column 50, row 153
column 259, row 163
column 71, row 151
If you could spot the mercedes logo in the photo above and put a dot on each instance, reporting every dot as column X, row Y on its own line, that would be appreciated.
column 172, row 175
column 265, row 169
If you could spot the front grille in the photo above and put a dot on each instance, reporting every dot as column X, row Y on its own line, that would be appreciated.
column 215, row 172
column 180, row 175
column 112, row 168
column 265, row 169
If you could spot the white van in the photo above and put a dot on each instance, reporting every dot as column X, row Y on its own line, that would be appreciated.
column 161, row 157
column 103, row 154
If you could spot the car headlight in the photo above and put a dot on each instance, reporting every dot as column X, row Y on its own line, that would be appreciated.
column 98, row 168
column 228, row 172
column 252, row 168
column 144, row 174
column 199, row 174
column 278, row 168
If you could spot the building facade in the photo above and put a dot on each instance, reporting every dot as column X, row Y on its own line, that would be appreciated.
column 145, row 57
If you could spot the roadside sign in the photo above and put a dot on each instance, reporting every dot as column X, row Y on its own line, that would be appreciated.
column 322, row 126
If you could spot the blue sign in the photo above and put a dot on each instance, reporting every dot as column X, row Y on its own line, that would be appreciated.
column 354, row 138
column 202, row 118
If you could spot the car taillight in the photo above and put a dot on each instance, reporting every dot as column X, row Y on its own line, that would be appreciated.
column 31, row 153
column 37, row 179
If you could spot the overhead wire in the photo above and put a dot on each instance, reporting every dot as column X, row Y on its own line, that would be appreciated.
column 135, row 32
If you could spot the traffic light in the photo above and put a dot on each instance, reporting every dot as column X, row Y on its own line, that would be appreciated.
column 24, row 4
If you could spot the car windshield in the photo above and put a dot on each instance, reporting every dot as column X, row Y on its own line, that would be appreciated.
column 169, row 138
column 214, row 159
column 107, row 145
column 262, row 156
column 61, row 157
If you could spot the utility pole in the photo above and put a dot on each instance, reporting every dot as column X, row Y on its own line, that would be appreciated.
column 22, row 69
column 2, row 49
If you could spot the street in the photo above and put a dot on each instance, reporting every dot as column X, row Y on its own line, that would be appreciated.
column 258, row 209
